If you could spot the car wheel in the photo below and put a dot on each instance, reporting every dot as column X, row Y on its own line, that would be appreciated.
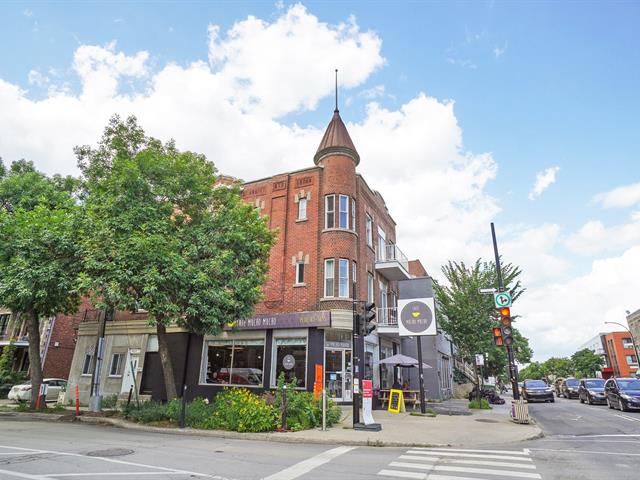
column 623, row 407
column 553, row 400
column 589, row 400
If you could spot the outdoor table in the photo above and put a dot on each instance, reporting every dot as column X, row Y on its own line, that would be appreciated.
column 409, row 396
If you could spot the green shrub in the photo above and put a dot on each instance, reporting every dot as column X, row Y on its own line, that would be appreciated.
column 239, row 410
column 110, row 401
column 147, row 412
column 482, row 405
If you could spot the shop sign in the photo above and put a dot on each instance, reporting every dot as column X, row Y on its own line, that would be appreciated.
column 321, row 318
column 367, row 398
column 416, row 317
column 396, row 401
column 288, row 362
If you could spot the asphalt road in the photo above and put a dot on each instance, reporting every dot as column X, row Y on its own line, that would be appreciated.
column 581, row 442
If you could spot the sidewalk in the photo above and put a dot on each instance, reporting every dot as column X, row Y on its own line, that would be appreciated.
column 398, row 430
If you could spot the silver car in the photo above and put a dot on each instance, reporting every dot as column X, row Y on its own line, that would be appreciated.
column 22, row 393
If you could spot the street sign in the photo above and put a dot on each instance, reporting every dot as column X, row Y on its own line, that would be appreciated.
column 487, row 291
column 479, row 359
column 502, row 299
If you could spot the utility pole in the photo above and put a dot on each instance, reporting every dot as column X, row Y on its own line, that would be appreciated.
column 95, row 400
column 513, row 372
column 355, row 359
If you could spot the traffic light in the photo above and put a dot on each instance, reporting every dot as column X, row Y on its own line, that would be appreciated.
column 505, row 326
column 370, row 323
column 497, row 337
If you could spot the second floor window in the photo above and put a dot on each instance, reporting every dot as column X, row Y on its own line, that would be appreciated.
column 329, row 268
column 302, row 209
column 627, row 343
column 4, row 323
column 369, row 227
column 330, row 211
column 343, row 278
column 299, row 273
column 344, row 212
column 369, row 288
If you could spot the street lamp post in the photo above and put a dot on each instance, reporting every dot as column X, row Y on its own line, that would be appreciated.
column 633, row 340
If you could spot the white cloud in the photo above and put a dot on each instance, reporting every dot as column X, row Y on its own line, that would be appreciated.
column 558, row 317
column 543, row 180
column 373, row 92
column 37, row 78
column 595, row 238
column 621, row 197
column 499, row 51
column 27, row 13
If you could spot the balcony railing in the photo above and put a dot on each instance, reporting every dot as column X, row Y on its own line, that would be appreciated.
column 8, row 338
column 392, row 263
column 387, row 317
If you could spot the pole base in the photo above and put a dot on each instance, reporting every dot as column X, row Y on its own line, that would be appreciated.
column 372, row 427
column 95, row 403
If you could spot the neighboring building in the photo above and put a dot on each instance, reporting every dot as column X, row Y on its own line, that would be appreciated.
column 597, row 346
column 336, row 242
column 621, row 354
column 57, row 342
column 633, row 320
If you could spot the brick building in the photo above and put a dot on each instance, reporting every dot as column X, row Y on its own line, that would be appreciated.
column 336, row 242
column 621, row 355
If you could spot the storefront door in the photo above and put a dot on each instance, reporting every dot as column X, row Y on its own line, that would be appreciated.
column 338, row 375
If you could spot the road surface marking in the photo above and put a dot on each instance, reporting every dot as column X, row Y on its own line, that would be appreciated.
column 309, row 464
column 508, row 452
column 469, row 455
column 111, row 474
column 112, row 460
column 402, row 474
column 485, row 471
column 627, row 418
column 597, row 436
column 471, row 462
column 22, row 475
column 583, row 452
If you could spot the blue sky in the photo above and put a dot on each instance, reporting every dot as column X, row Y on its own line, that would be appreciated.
column 535, row 85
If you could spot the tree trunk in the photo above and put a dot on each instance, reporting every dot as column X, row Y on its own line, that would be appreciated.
column 35, row 365
column 165, row 360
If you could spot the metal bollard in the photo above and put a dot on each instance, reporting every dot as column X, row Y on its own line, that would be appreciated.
column 324, row 409
column 130, row 394
column 183, row 410
column 284, row 408
column 77, row 392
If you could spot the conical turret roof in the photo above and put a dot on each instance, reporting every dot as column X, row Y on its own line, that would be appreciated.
column 336, row 140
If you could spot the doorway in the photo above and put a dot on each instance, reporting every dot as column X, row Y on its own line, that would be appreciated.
column 338, row 374
column 130, row 370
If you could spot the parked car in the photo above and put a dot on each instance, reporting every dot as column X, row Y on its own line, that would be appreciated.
column 537, row 390
column 623, row 393
column 22, row 393
column 557, row 386
column 591, row 390
column 569, row 388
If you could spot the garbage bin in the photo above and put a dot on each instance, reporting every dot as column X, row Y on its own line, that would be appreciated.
column 520, row 411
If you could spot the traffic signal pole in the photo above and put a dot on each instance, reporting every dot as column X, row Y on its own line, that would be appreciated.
column 513, row 372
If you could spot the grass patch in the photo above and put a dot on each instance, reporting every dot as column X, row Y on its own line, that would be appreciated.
column 483, row 404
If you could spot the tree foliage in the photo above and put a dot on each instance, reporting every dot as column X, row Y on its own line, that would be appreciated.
column 586, row 363
column 468, row 316
column 39, row 253
column 166, row 238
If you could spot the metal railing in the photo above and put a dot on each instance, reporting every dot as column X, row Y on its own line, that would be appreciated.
column 387, row 317
column 18, row 338
column 392, row 253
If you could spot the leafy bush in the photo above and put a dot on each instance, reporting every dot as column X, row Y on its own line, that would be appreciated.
column 482, row 405
column 147, row 412
column 110, row 401
column 304, row 411
column 240, row 410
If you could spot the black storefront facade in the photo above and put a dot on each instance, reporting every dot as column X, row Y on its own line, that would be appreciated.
column 253, row 352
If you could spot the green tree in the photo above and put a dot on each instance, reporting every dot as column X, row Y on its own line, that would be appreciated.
column 468, row 316
column 556, row 367
column 533, row 371
column 39, row 256
column 586, row 363
column 167, row 238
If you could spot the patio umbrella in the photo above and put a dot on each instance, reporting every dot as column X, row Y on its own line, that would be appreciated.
column 399, row 360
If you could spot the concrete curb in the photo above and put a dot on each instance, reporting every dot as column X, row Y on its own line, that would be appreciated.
column 263, row 437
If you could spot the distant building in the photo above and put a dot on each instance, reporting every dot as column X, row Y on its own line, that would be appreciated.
column 621, row 354
column 633, row 320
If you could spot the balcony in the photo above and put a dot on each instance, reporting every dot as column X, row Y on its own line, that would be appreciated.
column 18, row 341
column 392, row 263
column 387, row 319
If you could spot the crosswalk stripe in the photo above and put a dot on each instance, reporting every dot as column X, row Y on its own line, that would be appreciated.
column 469, row 462
column 401, row 474
column 433, row 476
column 507, row 452
column 486, row 471
column 419, row 466
column 468, row 455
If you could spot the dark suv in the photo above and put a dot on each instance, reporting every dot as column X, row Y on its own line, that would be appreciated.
column 569, row 388
column 591, row 390
column 623, row 393
column 537, row 390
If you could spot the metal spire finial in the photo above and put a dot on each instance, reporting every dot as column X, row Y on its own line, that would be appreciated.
column 336, row 110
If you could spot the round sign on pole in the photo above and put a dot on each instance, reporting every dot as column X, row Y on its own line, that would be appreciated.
column 502, row 299
column 288, row 361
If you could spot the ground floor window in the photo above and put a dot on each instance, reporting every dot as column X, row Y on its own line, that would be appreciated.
column 117, row 363
column 386, row 371
column 291, row 359
column 234, row 362
column 87, row 366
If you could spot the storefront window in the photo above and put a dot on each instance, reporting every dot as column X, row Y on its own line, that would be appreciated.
column 291, row 359
column 235, row 362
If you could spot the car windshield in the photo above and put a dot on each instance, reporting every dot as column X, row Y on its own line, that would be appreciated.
column 534, row 384
column 572, row 382
column 594, row 383
column 629, row 384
